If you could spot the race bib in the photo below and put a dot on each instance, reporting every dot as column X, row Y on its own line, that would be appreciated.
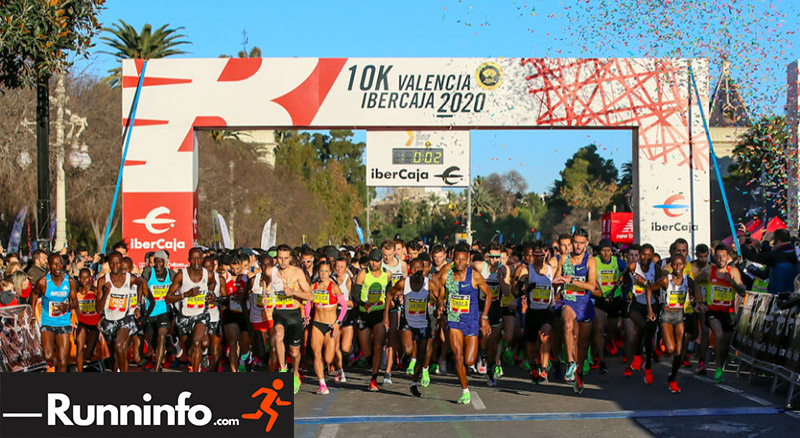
column 282, row 301
column 506, row 300
column 159, row 292
column 235, row 305
column 676, row 300
column 134, row 300
column 54, row 310
column 639, row 289
column 322, row 298
column 459, row 303
column 495, row 291
column 540, row 295
column 375, row 295
column 118, row 302
column 721, row 296
column 196, row 301
column 87, row 307
column 607, row 277
column 416, row 307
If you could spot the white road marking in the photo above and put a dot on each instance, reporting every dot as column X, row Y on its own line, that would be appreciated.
column 329, row 431
column 792, row 414
column 758, row 400
column 477, row 403
column 730, row 389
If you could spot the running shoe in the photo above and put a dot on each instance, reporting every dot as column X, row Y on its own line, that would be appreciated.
column 242, row 367
column 149, row 366
column 603, row 367
column 526, row 365
column 535, row 376
column 719, row 376
column 296, row 384
column 637, row 362
column 578, row 385
column 481, row 365
column 595, row 364
column 628, row 372
column 373, row 385
column 490, row 381
column 442, row 368
column 508, row 357
column 498, row 372
column 323, row 390
column 686, row 363
column 701, row 368
column 410, row 369
column 569, row 376
column 673, row 387
column 425, row 379
column 464, row 399
column 611, row 348
column 648, row 377
column 387, row 379
column 340, row 377
column 543, row 377
column 415, row 391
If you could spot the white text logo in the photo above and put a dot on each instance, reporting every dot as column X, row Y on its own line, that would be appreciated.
column 153, row 219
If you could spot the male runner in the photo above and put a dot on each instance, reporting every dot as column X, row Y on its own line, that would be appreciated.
column 259, row 312
column 723, row 282
column 158, row 280
column 114, row 291
column 58, row 293
column 579, row 277
column 458, row 288
column 87, row 334
column 642, row 274
column 369, row 292
column 135, row 337
column 214, row 328
column 392, row 253
column 495, row 275
column 609, row 307
column 234, row 323
column 536, row 277
column 291, row 287
column 701, row 256
column 192, row 287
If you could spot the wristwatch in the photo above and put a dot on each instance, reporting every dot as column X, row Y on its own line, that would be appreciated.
column 486, row 317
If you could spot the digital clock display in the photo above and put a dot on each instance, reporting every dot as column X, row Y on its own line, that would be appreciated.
column 417, row 156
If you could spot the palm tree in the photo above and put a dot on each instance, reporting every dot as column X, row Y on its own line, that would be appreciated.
column 128, row 43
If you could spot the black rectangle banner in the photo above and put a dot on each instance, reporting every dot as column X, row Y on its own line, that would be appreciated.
column 146, row 405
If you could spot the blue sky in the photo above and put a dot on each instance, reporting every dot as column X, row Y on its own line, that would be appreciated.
column 411, row 28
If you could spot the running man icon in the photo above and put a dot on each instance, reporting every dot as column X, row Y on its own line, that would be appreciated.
column 270, row 396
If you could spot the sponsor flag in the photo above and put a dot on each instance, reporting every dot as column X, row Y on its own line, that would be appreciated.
column 266, row 232
column 16, row 230
column 273, row 235
column 223, row 228
column 359, row 230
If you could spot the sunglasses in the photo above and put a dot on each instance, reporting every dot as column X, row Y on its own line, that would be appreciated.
column 492, row 256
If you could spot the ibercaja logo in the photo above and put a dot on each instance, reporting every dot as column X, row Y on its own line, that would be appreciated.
column 146, row 405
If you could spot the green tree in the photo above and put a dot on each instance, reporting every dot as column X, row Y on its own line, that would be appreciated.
column 128, row 43
column 586, row 166
column 761, row 148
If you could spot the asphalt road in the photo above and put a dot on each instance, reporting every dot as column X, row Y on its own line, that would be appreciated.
column 611, row 405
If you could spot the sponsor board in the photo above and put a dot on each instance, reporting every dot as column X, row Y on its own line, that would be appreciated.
column 146, row 405
column 164, row 221
column 418, row 158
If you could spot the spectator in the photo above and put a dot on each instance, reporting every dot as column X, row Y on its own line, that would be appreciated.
column 39, row 267
column 781, row 260
column 22, row 285
column 8, row 297
column 12, row 267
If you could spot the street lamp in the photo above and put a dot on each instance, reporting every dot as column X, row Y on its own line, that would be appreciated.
column 79, row 156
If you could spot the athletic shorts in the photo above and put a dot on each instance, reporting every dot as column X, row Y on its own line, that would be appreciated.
column 214, row 328
column 672, row 317
column 237, row 318
column 155, row 323
column 368, row 320
column 535, row 319
column 88, row 327
column 506, row 311
column 584, row 309
column 292, row 322
column 690, row 324
column 433, row 322
column 420, row 334
column 65, row 330
column 495, row 313
column 468, row 327
column 263, row 326
column 110, row 328
column 186, row 324
column 641, row 309
column 727, row 319
column 404, row 324
column 614, row 308
column 349, row 318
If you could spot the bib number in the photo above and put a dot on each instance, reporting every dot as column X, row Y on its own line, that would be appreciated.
column 322, row 298
column 87, row 307
column 160, row 292
column 721, row 296
column 676, row 301
column 196, row 301
column 118, row 302
column 282, row 301
column 416, row 307
column 459, row 303
column 540, row 295
column 375, row 296
column 607, row 278
column 506, row 300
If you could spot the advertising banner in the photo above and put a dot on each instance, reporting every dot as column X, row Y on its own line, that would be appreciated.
column 618, row 227
column 418, row 158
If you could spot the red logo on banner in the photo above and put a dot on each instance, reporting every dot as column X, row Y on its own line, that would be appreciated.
column 618, row 227
column 154, row 221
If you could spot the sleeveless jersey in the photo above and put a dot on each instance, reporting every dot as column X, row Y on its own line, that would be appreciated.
column 56, row 295
column 235, row 286
column 579, row 272
column 462, row 300
column 687, row 270
column 373, row 290
column 674, row 297
column 541, row 295
column 324, row 298
column 639, row 289
column 260, row 299
column 282, row 301
column 119, row 299
column 416, row 304
column 159, row 289
column 87, row 308
column 607, row 275
column 213, row 309
column 343, row 286
column 491, row 281
column 719, row 293
column 396, row 270
column 196, row 305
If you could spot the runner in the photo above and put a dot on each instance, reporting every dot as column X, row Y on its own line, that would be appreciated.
column 115, row 290
column 345, row 282
column 536, row 277
column 213, row 338
column 327, row 321
column 458, row 288
column 723, row 282
column 393, row 253
column 87, row 333
column 438, row 263
column 609, row 307
column 415, row 291
column 437, row 333
column 642, row 273
column 369, row 292
column 258, row 302
column 675, row 289
column 234, row 323
column 158, row 279
column 58, row 294
column 493, row 272
column 579, row 277
column 290, row 285
column 135, row 336
column 700, row 262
